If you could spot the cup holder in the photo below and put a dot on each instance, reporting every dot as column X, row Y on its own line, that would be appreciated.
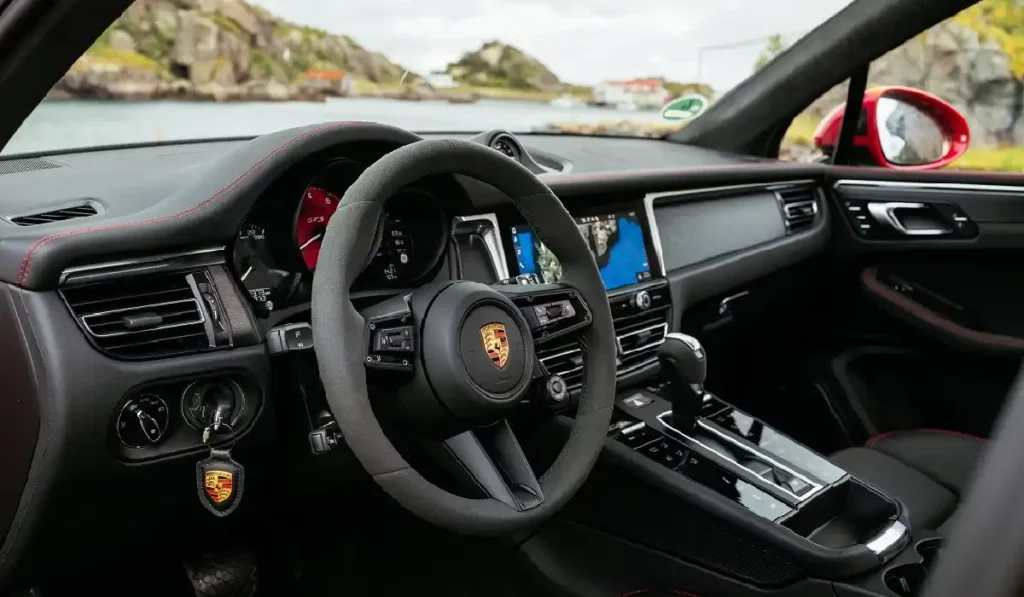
column 929, row 550
column 906, row 580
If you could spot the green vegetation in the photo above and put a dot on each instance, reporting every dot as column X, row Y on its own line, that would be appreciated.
column 265, row 67
column 228, row 24
column 1002, row 159
column 122, row 58
column 1001, row 21
column 352, row 43
column 771, row 50
column 498, row 65
column 679, row 89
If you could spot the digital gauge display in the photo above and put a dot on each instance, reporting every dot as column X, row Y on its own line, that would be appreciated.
column 414, row 231
column 254, row 264
column 315, row 210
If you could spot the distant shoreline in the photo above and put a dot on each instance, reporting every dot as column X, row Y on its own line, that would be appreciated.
column 130, row 92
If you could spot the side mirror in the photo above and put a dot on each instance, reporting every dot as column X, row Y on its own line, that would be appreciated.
column 901, row 128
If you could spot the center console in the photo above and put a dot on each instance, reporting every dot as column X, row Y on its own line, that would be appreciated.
column 705, row 482
column 738, row 486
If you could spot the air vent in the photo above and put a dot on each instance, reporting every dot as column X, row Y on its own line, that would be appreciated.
column 143, row 317
column 80, row 210
column 799, row 207
column 637, row 340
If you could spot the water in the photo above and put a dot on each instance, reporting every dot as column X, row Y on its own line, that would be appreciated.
column 85, row 123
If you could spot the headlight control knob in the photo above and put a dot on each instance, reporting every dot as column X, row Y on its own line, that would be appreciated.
column 142, row 421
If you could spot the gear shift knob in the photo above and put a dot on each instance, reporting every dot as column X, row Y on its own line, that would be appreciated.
column 684, row 366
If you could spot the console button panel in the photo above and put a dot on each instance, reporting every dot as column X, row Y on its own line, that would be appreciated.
column 673, row 455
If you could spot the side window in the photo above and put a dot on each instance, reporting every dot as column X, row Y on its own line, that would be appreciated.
column 798, row 142
column 975, row 62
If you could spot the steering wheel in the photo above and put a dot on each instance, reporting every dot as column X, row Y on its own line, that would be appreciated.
column 463, row 350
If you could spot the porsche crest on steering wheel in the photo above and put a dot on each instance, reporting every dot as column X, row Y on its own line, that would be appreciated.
column 495, row 343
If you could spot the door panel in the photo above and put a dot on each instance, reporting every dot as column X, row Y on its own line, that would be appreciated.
column 935, row 262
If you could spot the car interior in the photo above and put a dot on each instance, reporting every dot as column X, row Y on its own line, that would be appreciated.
column 367, row 361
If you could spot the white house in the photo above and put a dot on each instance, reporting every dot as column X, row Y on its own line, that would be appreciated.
column 441, row 80
column 646, row 94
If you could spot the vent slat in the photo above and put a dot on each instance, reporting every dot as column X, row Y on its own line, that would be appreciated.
column 638, row 338
column 54, row 215
column 799, row 206
column 150, row 316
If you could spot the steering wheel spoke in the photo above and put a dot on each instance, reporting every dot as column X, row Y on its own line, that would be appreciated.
column 551, row 310
column 491, row 459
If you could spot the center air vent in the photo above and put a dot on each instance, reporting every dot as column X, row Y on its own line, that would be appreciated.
column 638, row 334
column 78, row 210
column 143, row 317
column 799, row 207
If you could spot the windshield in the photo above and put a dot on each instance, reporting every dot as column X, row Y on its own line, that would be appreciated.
column 195, row 69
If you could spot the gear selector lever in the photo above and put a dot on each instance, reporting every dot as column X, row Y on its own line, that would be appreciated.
column 684, row 366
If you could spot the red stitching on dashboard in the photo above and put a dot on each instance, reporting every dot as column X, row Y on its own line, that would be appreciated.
column 26, row 262
column 872, row 441
column 919, row 311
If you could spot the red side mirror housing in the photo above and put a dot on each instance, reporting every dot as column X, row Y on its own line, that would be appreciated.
column 900, row 128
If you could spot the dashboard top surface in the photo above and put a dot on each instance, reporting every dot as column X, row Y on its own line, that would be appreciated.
column 175, row 197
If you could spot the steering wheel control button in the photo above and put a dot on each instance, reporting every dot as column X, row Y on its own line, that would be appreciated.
column 558, row 390
column 549, row 313
column 286, row 338
column 393, row 339
column 142, row 421
column 642, row 300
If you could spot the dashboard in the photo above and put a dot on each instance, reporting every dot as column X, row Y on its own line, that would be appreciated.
column 216, row 245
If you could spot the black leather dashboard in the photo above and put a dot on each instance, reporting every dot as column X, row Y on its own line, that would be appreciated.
column 161, row 200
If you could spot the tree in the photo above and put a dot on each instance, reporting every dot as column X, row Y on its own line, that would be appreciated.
column 771, row 50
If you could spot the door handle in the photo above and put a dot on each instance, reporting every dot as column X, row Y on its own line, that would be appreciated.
column 885, row 214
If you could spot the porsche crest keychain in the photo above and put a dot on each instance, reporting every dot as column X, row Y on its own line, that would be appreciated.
column 220, row 480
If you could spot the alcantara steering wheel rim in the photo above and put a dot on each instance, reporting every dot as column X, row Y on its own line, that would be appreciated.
column 352, row 238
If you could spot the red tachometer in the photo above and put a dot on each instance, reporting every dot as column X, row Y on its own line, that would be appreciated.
column 315, row 210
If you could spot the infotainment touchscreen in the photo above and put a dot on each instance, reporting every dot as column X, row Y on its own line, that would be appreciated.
column 616, row 240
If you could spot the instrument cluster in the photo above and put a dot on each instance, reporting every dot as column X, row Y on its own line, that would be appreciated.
column 277, row 249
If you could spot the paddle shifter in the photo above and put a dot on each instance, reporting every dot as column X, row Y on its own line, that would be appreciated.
column 684, row 365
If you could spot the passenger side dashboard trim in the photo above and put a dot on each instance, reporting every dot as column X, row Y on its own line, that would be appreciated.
column 946, row 186
column 651, row 198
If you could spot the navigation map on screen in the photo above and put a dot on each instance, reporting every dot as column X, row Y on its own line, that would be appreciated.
column 616, row 240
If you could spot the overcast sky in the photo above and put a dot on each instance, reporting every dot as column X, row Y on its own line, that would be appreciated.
column 582, row 41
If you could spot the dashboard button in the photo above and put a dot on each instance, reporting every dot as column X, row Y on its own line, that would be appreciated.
column 638, row 435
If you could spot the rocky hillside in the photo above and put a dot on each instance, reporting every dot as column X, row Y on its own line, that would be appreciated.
column 214, row 49
column 498, row 65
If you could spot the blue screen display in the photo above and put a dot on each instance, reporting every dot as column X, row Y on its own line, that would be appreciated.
column 616, row 241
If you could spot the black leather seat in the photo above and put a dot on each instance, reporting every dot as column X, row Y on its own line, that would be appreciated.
column 928, row 469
